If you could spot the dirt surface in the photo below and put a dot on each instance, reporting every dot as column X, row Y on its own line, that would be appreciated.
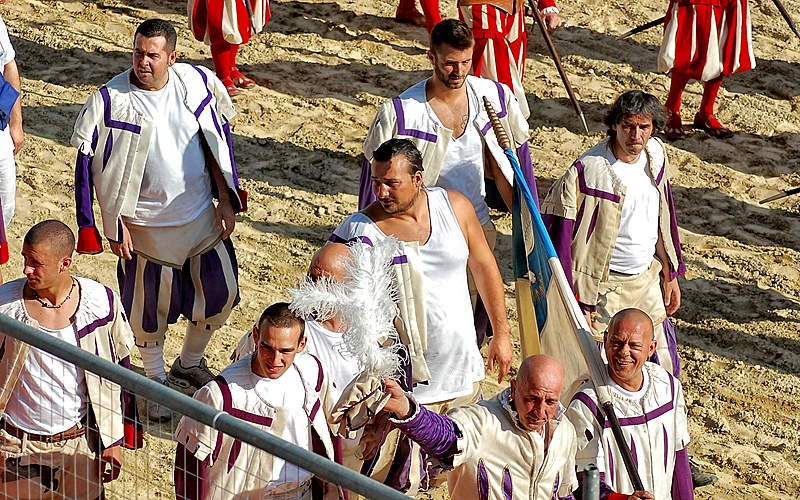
column 323, row 68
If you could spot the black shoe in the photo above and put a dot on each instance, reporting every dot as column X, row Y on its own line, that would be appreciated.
column 700, row 478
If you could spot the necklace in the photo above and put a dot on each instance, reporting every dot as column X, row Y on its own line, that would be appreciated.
column 54, row 306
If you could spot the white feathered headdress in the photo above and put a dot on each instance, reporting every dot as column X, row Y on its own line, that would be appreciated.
column 364, row 301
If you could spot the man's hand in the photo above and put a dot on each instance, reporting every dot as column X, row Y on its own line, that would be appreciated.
column 398, row 402
column 500, row 351
column 113, row 457
column 672, row 295
column 641, row 495
column 552, row 20
column 123, row 249
column 225, row 213
column 17, row 136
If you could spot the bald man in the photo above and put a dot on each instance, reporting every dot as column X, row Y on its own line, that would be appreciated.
column 652, row 413
column 517, row 444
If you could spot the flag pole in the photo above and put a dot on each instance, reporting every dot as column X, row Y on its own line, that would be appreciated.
column 591, row 354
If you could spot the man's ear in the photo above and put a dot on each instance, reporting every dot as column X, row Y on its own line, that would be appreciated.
column 302, row 344
column 173, row 56
column 432, row 57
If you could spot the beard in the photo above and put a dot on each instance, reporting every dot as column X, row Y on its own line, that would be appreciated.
column 445, row 79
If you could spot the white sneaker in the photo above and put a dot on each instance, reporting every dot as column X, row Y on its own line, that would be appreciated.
column 155, row 411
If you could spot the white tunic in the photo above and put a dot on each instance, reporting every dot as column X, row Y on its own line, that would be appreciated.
column 653, row 423
column 234, row 467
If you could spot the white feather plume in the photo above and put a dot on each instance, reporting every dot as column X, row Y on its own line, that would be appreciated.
column 364, row 301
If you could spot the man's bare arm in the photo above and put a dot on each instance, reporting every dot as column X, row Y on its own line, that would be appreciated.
column 488, row 281
column 11, row 75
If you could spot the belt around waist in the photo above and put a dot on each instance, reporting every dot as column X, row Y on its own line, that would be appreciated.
column 73, row 432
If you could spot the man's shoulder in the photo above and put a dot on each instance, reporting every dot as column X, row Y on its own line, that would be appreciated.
column 595, row 156
column 413, row 94
column 484, row 86
column 357, row 226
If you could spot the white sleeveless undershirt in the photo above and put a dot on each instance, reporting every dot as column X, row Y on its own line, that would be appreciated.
column 638, row 227
column 453, row 358
column 50, row 395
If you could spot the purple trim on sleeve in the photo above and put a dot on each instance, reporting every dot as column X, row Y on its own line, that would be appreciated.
column 508, row 488
column 109, row 123
column 502, row 95
column 400, row 259
column 86, row 330
column 483, row 481
column 189, row 475
column 592, row 406
column 560, row 230
column 593, row 222
column 590, row 191
column 436, row 434
column 83, row 190
column 672, row 346
column 207, row 99
column 682, row 488
column 676, row 242
column 365, row 194
column 401, row 124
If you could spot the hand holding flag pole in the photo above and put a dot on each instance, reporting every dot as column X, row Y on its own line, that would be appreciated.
column 538, row 236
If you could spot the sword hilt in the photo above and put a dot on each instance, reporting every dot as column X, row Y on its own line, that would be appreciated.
column 499, row 131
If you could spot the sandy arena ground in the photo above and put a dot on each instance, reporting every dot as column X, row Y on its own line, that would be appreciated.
column 323, row 68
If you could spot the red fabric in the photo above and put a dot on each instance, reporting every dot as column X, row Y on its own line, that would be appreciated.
column 406, row 6
column 89, row 241
column 134, row 437
column 543, row 4
column 221, row 55
column 618, row 496
column 207, row 19
column 710, row 91
column 695, row 27
column 431, row 10
column 3, row 252
column 677, row 84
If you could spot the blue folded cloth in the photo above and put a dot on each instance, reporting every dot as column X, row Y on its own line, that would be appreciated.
column 8, row 97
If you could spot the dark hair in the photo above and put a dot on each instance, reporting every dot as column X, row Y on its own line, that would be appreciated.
column 394, row 147
column 453, row 33
column 279, row 315
column 158, row 27
column 636, row 102
column 54, row 234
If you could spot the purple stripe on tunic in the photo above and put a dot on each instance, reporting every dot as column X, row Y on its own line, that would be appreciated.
column 560, row 230
column 556, row 483
column 236, row 447
column 3, row 348
column 151, row 283
column 610, row 459
column 593, row 222
column 591, row 405
column 107, row 151
column 212, row 280
column 400, row 259
column 588, row 435
column 578, row 219
column 483, row 481
column 335, row 238
column 401, row 124
column 365, row 194
column 207, row 99
column 643, row 419
column 320, row 373
column 508, row 490
column 633, row 453
column 666, row 445
column 502, row 95
column 661, row 172
column 109, row 123
column 597, row 193
column 314, row 410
